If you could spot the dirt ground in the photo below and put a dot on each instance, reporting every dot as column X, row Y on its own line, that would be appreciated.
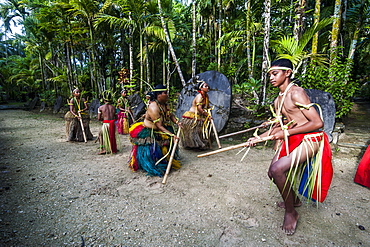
column 57, row 193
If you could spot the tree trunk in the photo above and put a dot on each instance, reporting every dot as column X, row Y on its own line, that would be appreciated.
column 170, row 45
column 335, row 31
column 194, row 42
column 131, row 50
column 298, row 24
column 316, row 17
column 266, row 44
column 354, row 40
column 147, row 59
column 248, row 23
column 219, row 26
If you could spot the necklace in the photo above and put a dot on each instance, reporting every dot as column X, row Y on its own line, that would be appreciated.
column 286, row 90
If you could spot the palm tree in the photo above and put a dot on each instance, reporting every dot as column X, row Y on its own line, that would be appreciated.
column 296, row 50
column 87, row 11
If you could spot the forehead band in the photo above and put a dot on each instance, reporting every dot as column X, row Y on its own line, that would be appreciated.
column 280, row 68
column 202, row 84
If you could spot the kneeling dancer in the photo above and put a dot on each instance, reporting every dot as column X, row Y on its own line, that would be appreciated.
column 196, row 122
column 152, row 139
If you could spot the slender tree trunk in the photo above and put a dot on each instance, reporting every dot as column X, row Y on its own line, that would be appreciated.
column 164, row 67
column 147, row 59
column 316, row 17
column 141, row 61
column 248, row 18
column 219, row 34
column 194, row 42
column 335, row 31
column 131, row 50
column 68, row 65
column 266, row 44
column 298, row 24
column 170, row 45
column 93, row 71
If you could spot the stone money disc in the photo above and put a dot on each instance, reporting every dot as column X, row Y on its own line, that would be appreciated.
column 219, row 97
column 137, row 105
column 326, row 102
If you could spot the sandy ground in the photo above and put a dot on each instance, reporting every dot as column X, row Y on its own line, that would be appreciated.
column 57, row 193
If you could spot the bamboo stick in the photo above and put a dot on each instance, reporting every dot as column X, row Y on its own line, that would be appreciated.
column 242, row 131
column 172, row 156
column 82, row 127
column 244, row 144
column 216, row 135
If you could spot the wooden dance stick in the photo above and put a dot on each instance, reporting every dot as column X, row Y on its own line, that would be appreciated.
column 132, row 116
column 171, row 157
column 244, row 144
column 82, row 127
column 216, row 135
column 243, row 131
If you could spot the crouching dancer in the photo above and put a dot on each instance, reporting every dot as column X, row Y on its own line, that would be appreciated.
column 302, row 163
column 152, row 139
column 108, row 135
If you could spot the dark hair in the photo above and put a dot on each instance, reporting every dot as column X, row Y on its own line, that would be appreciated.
column 157, row 90
column 283, row 63
column 123, row 91
column 151, row 96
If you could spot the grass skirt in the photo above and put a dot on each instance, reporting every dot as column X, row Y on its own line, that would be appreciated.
column 151, row 150
column 109, row 136
column 194, row 133
column 313, row 178
column 73, row 127
column 123, row 123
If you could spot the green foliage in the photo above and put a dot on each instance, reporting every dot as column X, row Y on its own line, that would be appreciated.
column 48, row 96
column 334, row 80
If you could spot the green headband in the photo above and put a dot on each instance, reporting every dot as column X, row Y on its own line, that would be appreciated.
column 159, row 90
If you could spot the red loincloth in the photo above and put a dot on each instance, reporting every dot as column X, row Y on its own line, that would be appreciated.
column 112, row 135
column 363, row 171
column 326, row 164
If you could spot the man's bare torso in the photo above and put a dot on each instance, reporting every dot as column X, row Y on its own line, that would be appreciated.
column 107, row 112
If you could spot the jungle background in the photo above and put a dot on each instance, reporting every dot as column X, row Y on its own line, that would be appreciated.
column 136, row 44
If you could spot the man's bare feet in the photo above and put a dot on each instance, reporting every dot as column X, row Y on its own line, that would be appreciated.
column 290, row 222
column 282, row 204
column 102, row 152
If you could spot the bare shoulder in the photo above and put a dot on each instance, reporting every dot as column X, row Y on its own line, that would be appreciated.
column 198, row 98
column 153, row 107
column 299, row 95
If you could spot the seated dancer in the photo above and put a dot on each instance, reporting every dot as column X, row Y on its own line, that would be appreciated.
column 302, row 163
column 195, row 122
column 152, row 139
column 125, row 116
column 77, row 110
column 108, row 136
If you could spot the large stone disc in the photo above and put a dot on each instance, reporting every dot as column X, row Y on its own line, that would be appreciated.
column 326, row 102
column 219, row 97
